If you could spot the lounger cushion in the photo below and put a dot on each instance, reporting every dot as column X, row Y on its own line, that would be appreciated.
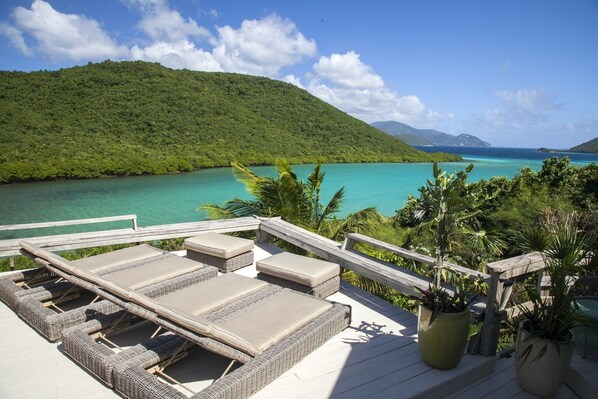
column 255, row 329
column 211, row 294
column 219, row 245
column 149, row 273
column 297, row 268
column 98, row 263
column 267, row 323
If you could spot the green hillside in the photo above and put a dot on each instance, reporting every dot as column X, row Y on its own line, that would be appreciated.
column 131, row 118
column 588, row 146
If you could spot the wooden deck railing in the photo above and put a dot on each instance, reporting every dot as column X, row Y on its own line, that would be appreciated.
column 63, row 242
column 494, row 305
column 492, row 309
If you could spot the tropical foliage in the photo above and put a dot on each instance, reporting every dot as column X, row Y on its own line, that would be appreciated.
column 447, row 211
column 296, row 201
column 495, row 212
column 568, row 253
column 133, row 118
column 505, row 207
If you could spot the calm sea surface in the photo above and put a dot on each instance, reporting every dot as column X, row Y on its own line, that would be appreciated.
column 175, row 198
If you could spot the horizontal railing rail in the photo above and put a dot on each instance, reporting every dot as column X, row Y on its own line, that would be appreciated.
column 74, row 222
column 63, row 242
column 355, row 238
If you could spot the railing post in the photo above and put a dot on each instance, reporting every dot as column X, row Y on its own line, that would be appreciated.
column 134, row 219
column 349, row 243
column 491, row 328
column 262, row 237
column 11, row 264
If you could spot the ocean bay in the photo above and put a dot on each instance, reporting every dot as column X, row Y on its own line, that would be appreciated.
column 175, row 198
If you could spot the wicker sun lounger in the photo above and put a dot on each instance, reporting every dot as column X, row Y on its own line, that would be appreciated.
column 216, row 299
column 154, row 276
column 268, row 337
column 35, row 281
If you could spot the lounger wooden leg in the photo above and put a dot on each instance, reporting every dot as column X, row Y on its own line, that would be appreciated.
column 156, row 332
column 160, row 367
column 103, row 335
column 115, row 346
column 174, row 357
column 232, row 362
column 65, row 297
column 169, row 378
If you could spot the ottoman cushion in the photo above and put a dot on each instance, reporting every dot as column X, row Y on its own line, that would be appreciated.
column 300, row 269
column 219, row 245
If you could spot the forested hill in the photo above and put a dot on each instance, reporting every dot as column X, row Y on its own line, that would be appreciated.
column 130, row 118
column 589, row 146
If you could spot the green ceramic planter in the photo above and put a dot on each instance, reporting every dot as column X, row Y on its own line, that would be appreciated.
column 545, row 375
column 442, row 343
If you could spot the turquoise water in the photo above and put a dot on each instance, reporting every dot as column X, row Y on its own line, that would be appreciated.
column 175, row 198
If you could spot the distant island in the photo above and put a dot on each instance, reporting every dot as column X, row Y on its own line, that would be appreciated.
column 428, row 137
column 587, row 147
column 134, row 118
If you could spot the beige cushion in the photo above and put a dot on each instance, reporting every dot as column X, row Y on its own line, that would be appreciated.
column 211, row 294
column 258, row 328
column 219, row 245
column 297, row 268
column 98, row 263
column 267, row 323
column 161, row 269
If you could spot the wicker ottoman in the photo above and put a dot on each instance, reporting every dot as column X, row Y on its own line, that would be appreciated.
column 312, row 276
column 224, row 252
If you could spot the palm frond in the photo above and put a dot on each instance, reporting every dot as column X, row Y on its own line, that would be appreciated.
column 361, row 221
column 332, row 207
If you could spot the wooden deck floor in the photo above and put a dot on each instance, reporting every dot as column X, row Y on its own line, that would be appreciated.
column 376, row 357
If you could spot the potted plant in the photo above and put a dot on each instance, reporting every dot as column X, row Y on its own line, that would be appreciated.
column 443, row 321
column 545, row 341
column 445, row 207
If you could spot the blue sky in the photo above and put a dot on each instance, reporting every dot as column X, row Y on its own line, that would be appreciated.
column 516, row 73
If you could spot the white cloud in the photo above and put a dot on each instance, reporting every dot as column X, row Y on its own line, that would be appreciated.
column 178, row 55
column 65, row 36
column 347, row 70
column 344, row 81
column 145, row 5
column 258, row 47
column 162, row 23
column 523, row 111
column 525, row 117
column 528, row 100
column 16, row 38
column 262, row 47
column 293, row 80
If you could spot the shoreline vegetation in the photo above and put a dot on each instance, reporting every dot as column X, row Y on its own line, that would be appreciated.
column 136, row 118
